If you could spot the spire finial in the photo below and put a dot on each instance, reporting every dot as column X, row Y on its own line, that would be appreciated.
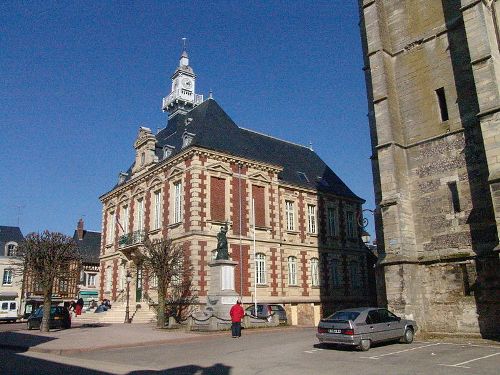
column 210, row 94
column 184, row 44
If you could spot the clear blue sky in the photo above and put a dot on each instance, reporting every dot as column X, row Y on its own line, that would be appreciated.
column 79, row 78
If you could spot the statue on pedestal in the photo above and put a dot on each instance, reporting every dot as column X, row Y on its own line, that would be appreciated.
column 222, row 252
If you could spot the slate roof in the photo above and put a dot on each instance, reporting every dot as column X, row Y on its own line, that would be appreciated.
column 89, row 246
column 215, row 130
column 8, row 234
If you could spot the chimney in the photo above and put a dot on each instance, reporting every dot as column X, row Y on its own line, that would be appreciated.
column 79, row 229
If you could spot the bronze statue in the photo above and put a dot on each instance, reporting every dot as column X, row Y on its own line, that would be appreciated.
column 222, row 253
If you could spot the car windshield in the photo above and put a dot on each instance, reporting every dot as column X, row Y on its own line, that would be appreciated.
column 39, row 311
column 344, row 315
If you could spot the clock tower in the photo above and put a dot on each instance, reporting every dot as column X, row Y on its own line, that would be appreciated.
column 182, row 97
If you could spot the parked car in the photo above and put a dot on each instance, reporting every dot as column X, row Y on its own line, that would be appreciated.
column 264, row 310
column 59, row 318
column 364, row 326
column 8, row 311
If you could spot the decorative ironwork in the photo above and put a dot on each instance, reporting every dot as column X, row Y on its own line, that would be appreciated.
column 131, row 238
column 363, row 221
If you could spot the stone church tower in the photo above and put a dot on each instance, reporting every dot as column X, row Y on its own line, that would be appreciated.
column 432, row 71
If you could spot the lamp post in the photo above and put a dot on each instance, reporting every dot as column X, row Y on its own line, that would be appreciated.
column 127, row 310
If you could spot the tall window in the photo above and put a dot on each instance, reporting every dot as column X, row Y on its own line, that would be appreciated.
column 178, row 202
column 63, row 286
column 260, row 268
column 91, row 279
column 125, row 219
column 311, row 218
column 335, row 273
column 455, row 200
column 123, row 277
column 111, row 228
column 289, row 212
column 11, row 250
column 314, row 272
column 292, row 271
column 157, row 210
column 355, row 275
column 139, row 224
column 443, row 108
column 108, row 279
column 332, row 221
column 350, row 224
column 7, row 277
column 154, row 281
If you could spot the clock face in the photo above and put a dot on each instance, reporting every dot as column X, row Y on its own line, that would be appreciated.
column 187, row 83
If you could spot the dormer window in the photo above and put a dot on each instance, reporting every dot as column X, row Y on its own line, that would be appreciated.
column 302, row 177
column 11, row 250
column 168, row 151
column 122, row 177
column 187, row 138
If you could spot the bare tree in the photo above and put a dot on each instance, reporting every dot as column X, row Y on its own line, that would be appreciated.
column 171, row 266
column 47, row 257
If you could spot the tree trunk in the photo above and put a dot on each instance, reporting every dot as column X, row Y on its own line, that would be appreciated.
column 160, row 321
column 47, row 302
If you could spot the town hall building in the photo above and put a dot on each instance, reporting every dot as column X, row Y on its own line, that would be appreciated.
column 202, row 171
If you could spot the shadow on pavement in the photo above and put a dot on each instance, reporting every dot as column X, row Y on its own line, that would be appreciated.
column 22, row 341
column 13, row 363
column 217, row 369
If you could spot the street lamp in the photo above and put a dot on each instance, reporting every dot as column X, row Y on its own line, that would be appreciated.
column 127, row 310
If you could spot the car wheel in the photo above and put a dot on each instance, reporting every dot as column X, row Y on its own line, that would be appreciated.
column 408, row 336
column 365, row 345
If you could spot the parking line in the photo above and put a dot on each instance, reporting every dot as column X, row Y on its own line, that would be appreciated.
column 401, row 351
column 472, row 360
column 312, row 351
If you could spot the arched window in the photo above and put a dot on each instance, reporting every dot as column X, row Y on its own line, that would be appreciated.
column 260, row 268
column 314, row 272
column 292, row 271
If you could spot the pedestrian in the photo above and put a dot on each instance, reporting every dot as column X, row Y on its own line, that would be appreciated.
column 79, row 306
column 237, row 313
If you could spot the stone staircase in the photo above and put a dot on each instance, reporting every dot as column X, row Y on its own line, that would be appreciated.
column 116, row 314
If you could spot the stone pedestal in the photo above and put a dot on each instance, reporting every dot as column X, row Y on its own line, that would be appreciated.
column 221, row 294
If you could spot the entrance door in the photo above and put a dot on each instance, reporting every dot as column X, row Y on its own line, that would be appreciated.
column 138, row 290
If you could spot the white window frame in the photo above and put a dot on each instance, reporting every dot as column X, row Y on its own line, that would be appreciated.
column 331, row 218
column 154, row 280
column 290, row 215
column 350, row 227
column 8, row 276
column 139, row 224
column 125, row 219
column 314, row 271
column 292, row 270
column 157, row 210
column 260, row 269
column 111, row 227
column 177, row 202
column 311, row 218
column 91, row 280
column 11, row 249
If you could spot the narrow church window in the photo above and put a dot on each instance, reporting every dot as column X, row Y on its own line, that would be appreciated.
column 443, row 108
column 455, row 201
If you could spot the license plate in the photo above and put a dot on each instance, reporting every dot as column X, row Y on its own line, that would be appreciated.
column 334, row 330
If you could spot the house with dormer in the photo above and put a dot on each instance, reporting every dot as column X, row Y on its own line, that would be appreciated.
column 292, row 222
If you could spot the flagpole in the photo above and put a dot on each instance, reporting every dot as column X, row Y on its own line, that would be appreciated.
column 254, row 260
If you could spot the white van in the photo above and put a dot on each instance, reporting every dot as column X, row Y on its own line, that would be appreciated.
column 8, row 311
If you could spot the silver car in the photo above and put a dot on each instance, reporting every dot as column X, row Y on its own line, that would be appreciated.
column 363, row 326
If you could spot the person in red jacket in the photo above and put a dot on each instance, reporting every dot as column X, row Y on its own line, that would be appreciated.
column 237, row 313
